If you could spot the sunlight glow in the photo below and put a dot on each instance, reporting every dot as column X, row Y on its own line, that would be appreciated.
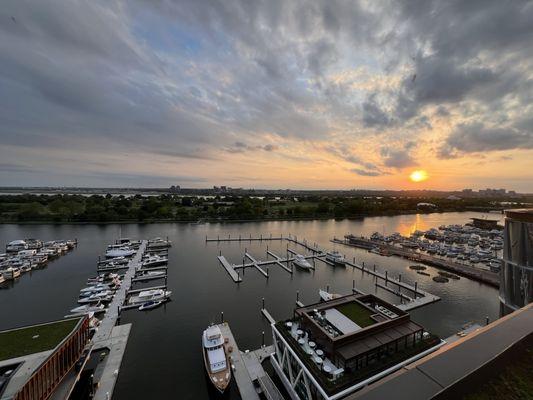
column 418, row 176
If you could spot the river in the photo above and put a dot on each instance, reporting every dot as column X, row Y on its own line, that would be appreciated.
column 163, row 359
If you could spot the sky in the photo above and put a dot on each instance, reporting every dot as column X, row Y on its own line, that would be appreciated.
column 267, row 94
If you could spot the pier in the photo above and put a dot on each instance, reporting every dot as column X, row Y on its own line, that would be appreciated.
column 416, row 297
column 112, row 337
column 247, row 370
column 488, row 277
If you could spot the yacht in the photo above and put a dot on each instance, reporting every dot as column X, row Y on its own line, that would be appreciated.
column 11, row 273
column 15, row 246
column 88, row 308
column 2, row 279
column 301, row 262
column 154, row 261
column 335, row 257
column 159, row 243
column 216, row 359
column 149, row 305
column 150, row 295
column 104, row 296
column 120, row 252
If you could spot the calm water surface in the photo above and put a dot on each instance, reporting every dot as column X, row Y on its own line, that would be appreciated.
column 163, row 358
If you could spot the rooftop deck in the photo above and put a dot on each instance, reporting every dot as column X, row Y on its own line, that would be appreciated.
column 34, row 339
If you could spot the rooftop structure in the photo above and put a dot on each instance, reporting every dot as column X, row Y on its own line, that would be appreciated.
column 34, row 360
column 330, row 349
column 492, row 362
column 516, row 274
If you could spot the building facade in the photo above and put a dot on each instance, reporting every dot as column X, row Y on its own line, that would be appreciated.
column 516, row 274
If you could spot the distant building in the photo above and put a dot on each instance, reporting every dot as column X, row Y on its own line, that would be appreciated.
column 492, row 192
column 37, row 359
column 467, row 191
column 516, row 274
column 331, row 349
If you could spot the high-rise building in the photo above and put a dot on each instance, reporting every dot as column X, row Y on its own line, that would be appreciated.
column 516, row 274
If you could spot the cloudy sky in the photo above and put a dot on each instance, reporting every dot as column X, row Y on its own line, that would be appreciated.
column 267, row 94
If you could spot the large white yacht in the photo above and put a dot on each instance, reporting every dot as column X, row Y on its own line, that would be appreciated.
column 335, row 257
column 11, row 273
column 301, row 262
column 216, row 359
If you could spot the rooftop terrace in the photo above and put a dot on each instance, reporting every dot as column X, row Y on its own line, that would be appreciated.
column 34, row 339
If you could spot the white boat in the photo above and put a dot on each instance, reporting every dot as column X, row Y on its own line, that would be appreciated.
column 88, row 308
column 159, row 243
column 335, row 257
column 120, row 252
column 2, row 279
column 151, row 274
column 150, row 295
column 327, row 296
column 96, row 298
column 149, row 305
column 95, row 288
column 15, row 246
column 11, row 273
column 301, row 262
column 154, row 261
column 216, row 359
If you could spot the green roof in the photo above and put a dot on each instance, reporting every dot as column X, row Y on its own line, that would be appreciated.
column 34, row 339
column 357, row 313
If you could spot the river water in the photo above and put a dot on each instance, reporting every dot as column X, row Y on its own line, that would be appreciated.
column 163, row 359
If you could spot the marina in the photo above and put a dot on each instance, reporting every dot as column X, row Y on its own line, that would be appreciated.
column 191, row 261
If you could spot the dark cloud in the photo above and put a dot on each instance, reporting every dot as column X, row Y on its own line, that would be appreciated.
column 373, row 114
column 241, row 147
column 398, row 158
column 476, row 137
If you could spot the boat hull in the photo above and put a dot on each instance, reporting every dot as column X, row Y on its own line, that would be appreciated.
column 221, row 383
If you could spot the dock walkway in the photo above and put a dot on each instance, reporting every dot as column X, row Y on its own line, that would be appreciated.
column 240, row 373
column 113, row 311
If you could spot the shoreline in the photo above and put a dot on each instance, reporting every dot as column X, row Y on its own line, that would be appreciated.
column 226, row 220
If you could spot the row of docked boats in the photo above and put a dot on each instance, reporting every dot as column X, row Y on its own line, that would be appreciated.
column 24, row 255
column 461, row 243
column 99, row 291
column 333, row 256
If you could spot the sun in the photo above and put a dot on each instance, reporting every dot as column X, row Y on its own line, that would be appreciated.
column 418, row 175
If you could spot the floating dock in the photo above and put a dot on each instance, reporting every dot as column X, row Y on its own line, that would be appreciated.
column 112, row 337
column 248, row 371
column 416, row 298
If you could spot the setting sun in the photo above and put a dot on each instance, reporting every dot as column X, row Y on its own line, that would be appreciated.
column 418, row 176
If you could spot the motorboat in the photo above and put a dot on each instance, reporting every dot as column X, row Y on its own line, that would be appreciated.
column 15, row 246
column 88, row 308
column 149, row 305
column 335, row 257
column 154, row 261
column 150, row 295
column 301, row 262
column 120, row 252
column 151, row 274
column 2, row 279
column 326, row 296
column 95, row 288
column 216, row 359
column 11, row 273
column 96, row 298
column 159, row 243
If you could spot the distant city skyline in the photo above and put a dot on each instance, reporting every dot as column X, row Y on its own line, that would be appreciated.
column 282, row 94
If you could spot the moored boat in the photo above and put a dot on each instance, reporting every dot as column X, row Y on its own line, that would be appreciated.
column 336, row 258
column 301, row 262
column 216, row 359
